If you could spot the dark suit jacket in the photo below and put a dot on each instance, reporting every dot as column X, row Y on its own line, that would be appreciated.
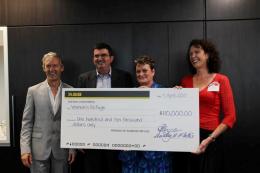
column 103, row 161
column 119, row 79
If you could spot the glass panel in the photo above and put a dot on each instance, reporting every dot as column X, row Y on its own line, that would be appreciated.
column 4, row 90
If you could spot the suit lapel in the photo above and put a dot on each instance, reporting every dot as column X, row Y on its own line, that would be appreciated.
column 114, row 79
column 60, row 98
column 93, row 80
column 48, row 97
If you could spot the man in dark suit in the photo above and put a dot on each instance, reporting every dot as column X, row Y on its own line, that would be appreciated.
column 104, row 76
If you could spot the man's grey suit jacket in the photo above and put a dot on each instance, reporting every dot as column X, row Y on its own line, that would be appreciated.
column 40, row 133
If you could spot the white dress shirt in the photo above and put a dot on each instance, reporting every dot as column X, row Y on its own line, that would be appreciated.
column 55, row 100
column 104, row 80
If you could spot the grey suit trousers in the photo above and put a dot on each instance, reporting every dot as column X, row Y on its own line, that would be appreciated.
column 51, row 165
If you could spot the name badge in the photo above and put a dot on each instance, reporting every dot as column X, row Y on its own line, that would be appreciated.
column 214, row 86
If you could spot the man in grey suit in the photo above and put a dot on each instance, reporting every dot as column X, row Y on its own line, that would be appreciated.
column 41, row 123
column 104, row 76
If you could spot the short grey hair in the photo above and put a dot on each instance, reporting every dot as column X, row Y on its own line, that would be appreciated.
column 50, row 54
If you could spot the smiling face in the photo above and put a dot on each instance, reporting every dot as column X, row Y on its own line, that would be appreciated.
column 198, row 57
column 102, row 60
column 144, row 74
column 53, row 68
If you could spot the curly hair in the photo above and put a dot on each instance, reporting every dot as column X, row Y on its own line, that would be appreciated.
column 145, row 59
column 213, row 62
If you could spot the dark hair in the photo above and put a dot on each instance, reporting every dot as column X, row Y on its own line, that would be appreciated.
column 213, row 62
column 145, row 59
column 103, row 45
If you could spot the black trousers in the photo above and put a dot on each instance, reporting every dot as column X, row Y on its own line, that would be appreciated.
column 209, row 162
column 101, row 161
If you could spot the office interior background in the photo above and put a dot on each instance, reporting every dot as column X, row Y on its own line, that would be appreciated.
column 161, row 29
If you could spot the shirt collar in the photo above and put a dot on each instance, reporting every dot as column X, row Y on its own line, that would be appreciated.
column 50, row 87
column 109, row 74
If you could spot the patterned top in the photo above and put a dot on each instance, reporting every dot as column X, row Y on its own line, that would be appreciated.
column 145, row 161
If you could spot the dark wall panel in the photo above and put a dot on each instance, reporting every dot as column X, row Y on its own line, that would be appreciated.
column 77, row 43
column 120, row 37
column 180, row 35
column 152, row 40
column 238, row 43
column 232, row 9
column 38, row 12
column 74, row 43
column 2, row 12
